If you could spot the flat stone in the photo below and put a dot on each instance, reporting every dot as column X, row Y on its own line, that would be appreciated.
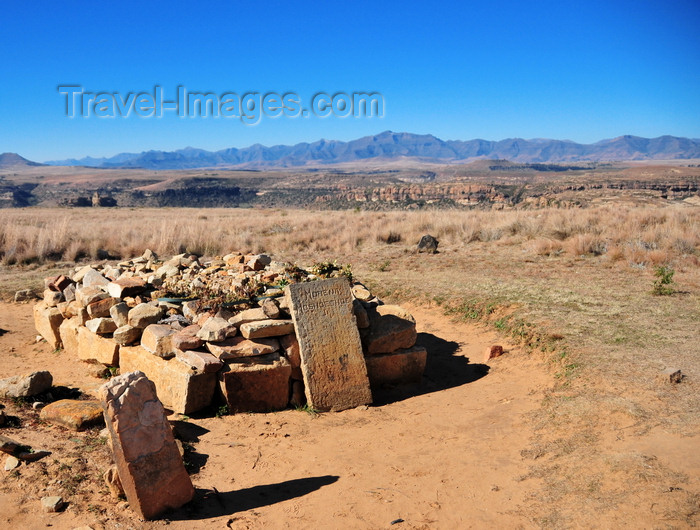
column 101, row 308
column 361, row 292
column 241, row 347
column 80, row 274
column 401, row 367
column 92, row 278
column 262, row 386
column 156, row 339
column 52, row 504
column 335, row 375
column 68, row 330
column 149, row 465
column 26, row 385
column 391, row 328
column 216, row 329
column 47, row 320
column 86, row 295
column 249, row 315
column 124, row 287
column 94, row 347
column 101, row 326
column 267, row 328
column 143, row 315
column 127, row 335
column 200, row 360
column 73, row 414
column 120, row 314
column 181, row 388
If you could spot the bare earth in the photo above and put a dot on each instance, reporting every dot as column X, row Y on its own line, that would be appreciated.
column 444, row 454
column 453, row 452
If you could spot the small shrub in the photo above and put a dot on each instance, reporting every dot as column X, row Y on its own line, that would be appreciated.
column 663, row 285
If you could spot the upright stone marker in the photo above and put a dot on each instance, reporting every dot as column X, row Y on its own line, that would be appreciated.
column 149, row 463
column 332, row 363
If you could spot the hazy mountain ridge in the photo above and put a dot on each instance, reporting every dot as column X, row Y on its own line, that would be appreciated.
column 390, row 145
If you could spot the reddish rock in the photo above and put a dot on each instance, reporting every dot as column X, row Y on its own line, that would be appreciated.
column 491, row 352
column 259, row 387
column 149, row 463
column 124, row 287
column 399, row 367
column 60, row 283
column 100, row 308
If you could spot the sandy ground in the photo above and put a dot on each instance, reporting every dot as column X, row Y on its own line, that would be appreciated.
column 442, row 454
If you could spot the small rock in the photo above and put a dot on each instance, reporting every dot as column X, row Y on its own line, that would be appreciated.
column 26, row 385
column 143, row 315
column 216, row 329
column 428, row 244
column 120, row 314
column 101, row 325
column 671, row 375
column 113, row 482
column 11, row 463
column 126, row 335
column 51, row 504
column 24, row 295
column 491, row 352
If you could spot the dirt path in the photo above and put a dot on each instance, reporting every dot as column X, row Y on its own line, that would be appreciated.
column 445, row 454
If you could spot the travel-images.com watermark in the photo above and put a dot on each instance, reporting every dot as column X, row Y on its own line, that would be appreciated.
column 249, row 107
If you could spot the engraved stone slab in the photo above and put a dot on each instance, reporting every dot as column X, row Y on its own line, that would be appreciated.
column 334, row 370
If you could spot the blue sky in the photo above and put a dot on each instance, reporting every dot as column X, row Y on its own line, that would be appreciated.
column 458, row 70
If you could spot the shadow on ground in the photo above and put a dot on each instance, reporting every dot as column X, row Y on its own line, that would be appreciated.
column 208, row 504
column 443, row 370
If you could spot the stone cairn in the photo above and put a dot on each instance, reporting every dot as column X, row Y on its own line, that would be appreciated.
column 243, row 331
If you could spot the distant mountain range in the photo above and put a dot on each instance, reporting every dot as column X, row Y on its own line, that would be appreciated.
column 391, row 146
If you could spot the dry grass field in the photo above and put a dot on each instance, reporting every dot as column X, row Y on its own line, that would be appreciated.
column 608, row 442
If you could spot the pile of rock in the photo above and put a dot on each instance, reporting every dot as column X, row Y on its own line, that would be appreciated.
column 195, row 326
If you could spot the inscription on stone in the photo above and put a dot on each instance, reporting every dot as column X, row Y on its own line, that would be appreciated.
column 332, row 363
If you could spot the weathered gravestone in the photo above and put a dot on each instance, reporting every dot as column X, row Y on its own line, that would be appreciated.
column 332, row 363
column 147, row 458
